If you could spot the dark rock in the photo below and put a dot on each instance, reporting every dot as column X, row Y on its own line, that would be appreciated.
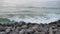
column 29, row 24
column 2, row 28
column 58, row 25
column 58, row 21
column 21, row 23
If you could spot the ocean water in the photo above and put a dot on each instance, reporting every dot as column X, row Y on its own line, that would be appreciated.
column 30, row 11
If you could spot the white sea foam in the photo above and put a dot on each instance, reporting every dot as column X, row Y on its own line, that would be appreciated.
column 37, row 19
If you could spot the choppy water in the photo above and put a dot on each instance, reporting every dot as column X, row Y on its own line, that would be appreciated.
column 35, row 12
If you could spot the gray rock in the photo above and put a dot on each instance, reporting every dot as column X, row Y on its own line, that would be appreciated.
column 36, row 32
column 24, row 26
column 2, row 28
column 58, row 32
column 2, row 33
column 8, row 30
column 22, row 31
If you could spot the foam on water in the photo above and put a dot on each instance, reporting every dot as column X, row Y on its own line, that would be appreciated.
column 37, row 19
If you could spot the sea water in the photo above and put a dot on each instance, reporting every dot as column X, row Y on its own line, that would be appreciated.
column 34, row 11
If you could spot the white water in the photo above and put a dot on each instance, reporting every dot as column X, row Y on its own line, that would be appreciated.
column 37, row 19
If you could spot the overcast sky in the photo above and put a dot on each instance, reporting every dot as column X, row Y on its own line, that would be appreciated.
column 9, row 5
column 29, row 2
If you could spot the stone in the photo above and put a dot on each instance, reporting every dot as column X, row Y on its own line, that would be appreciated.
column 2, row 28
column 8, row 30
column 30, row 31
column 22, row 31
column 35, row 27
column 50, row 31
column 2, row 33
column 24, row 26
column 36, row 32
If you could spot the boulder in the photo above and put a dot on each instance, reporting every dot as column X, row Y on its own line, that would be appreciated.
column 22, row 31
column 24, row 26
column 2, row 33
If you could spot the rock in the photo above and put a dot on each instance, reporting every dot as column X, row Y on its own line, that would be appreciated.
column 21, row 23
column 51, row 31
column 14, row 31
column 58, row 21
column 42, row 33
column 52, row 23
column 57, row 32
column 2, row 33
column 29, row 24
column 35, row 27
column 29, row 30
column 2, row 28
column 22, row 31
column 36, row 32
column 8, row 30
column 58, row 25
column 24, row 26
column 19, row 28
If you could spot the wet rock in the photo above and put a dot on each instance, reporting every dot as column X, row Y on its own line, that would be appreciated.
column 52, row 23
column 29, row 24
column 21, row 23
column 58, row 21
column 58, row 25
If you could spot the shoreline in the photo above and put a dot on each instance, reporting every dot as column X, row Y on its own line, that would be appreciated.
column 30, row 28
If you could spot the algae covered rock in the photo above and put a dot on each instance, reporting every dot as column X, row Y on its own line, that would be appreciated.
column 4, row 20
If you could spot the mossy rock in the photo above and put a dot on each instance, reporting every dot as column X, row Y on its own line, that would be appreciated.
column 4, row 20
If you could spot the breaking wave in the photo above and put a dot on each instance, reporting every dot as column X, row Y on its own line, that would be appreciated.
column 37, row 19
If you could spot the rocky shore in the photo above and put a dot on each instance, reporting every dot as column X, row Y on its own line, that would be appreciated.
column 30, row 28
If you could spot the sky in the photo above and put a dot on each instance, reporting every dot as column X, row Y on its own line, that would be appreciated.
column 20, row 2
column 6, row 5
column 28, row 2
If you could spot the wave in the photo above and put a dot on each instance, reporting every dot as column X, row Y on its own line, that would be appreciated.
column 46, row 18
column 37, row 19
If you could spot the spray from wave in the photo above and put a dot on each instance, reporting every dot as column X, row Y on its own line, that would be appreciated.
column 37, row 19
